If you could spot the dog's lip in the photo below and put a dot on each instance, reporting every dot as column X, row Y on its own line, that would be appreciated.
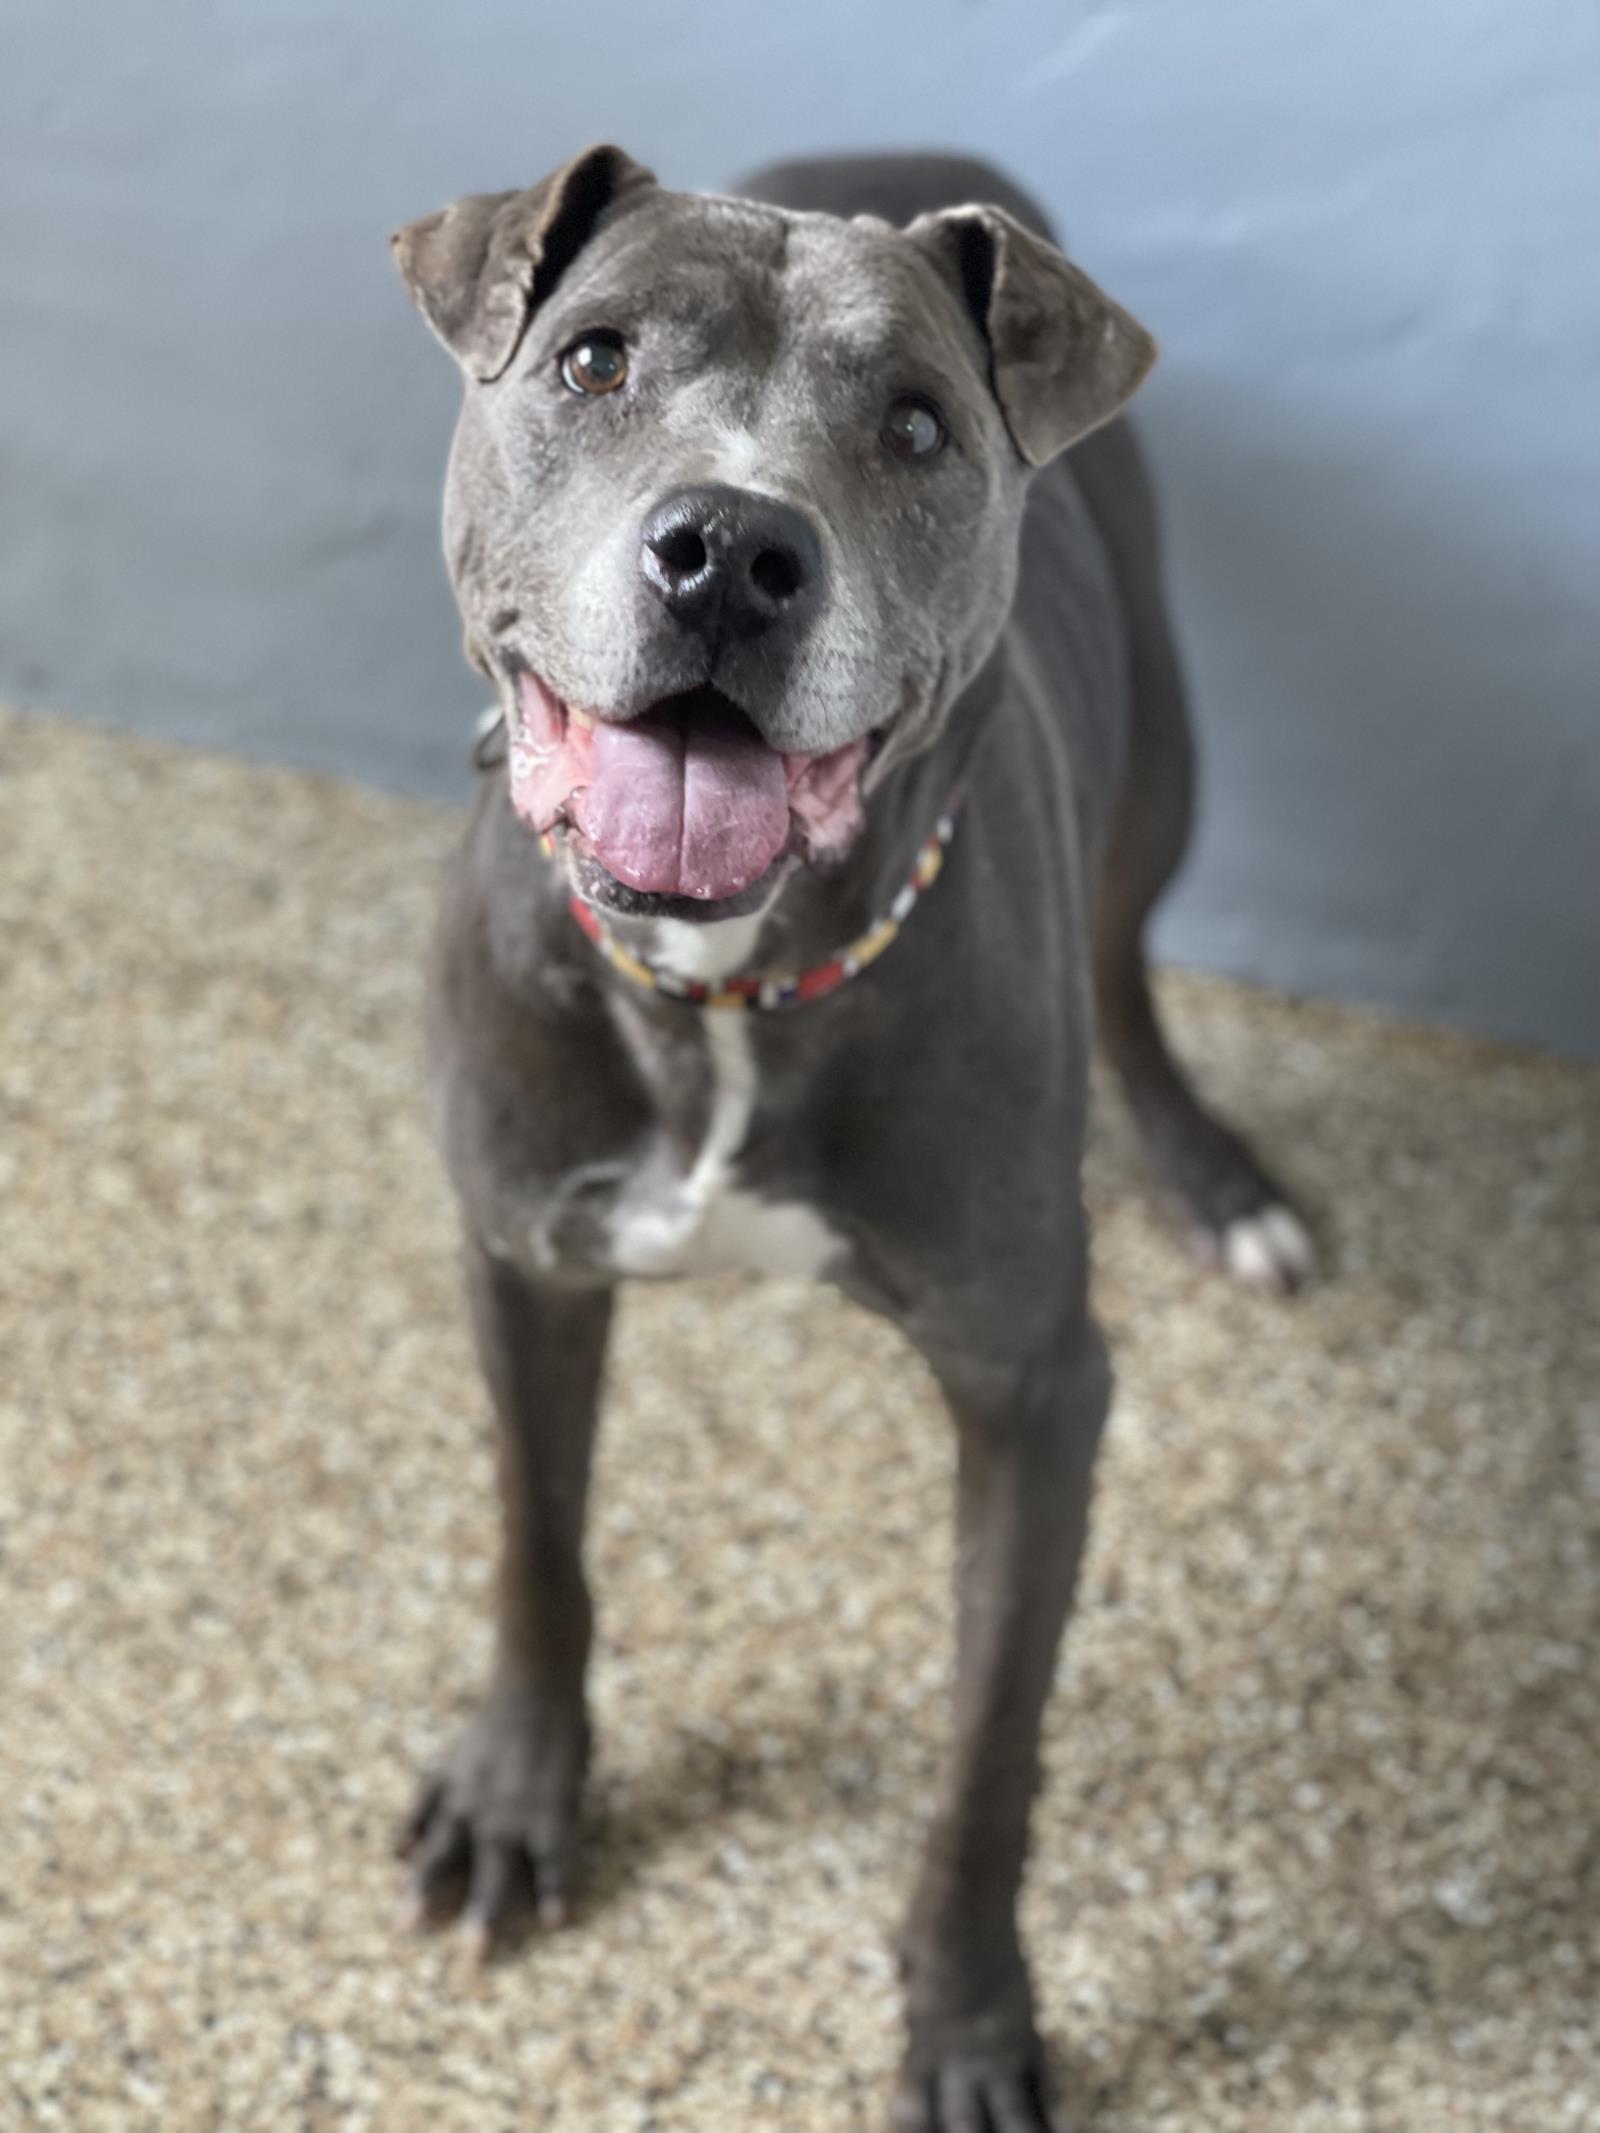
column 587, row 719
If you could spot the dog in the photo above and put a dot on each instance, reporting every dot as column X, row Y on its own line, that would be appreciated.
column 843, row 755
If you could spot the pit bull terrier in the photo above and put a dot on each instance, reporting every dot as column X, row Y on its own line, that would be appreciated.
column 843, row 754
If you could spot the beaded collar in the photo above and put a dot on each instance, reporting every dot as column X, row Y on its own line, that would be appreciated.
column 760, row 993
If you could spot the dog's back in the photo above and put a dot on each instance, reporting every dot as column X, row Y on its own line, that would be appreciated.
column 896, row 187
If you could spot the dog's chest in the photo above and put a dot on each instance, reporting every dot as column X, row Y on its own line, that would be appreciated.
column 703, row 1218
column 699, row 1215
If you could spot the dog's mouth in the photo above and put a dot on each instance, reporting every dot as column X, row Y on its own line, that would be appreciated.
column 686, row 801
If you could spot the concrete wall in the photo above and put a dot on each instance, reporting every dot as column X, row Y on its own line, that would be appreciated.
column 1367, row 235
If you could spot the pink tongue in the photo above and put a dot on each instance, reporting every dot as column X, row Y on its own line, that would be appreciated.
column 686, row 802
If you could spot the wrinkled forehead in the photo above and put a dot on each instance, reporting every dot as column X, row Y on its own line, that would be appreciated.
column 750, row 285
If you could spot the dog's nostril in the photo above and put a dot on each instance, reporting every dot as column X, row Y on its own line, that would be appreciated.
column 682, row 551
column 730, row 562
column 776, row 572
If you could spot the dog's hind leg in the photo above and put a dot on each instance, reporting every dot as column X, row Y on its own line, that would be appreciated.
column 1223, row 1199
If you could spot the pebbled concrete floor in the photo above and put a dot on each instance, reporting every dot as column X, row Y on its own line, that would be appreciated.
column 1321, row 1842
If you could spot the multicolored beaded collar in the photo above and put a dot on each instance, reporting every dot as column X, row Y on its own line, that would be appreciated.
column 760, row 993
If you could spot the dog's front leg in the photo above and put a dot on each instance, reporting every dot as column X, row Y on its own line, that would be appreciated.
column 495, row 1829
column 1027, row 1437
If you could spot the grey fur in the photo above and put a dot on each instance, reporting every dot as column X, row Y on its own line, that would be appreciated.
column 1004, row 626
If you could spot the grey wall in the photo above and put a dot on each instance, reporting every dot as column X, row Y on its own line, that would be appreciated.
column 1367, row 235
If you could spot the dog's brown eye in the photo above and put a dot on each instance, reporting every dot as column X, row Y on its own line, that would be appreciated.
column 596, row 364
column 913, row 428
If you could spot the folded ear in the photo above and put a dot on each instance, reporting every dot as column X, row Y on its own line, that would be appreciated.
column 1064, row 357
column 478, row 269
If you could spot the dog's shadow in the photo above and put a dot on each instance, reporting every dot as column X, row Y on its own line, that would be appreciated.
column 630, row 1821
column 770, row 1773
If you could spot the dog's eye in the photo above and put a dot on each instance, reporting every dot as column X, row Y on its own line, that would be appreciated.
column 596, row 364
column 914, row 428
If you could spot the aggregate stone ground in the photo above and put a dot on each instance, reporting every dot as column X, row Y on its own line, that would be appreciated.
column 1320, row 1844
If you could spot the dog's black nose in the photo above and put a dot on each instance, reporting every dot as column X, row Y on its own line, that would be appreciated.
column 726, row 560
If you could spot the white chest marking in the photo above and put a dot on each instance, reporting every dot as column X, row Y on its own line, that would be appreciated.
column 703, row 1221
column 705, row 953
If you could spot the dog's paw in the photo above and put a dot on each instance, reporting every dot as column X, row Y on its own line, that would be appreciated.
column 1271, row 1249
column 492, row 1839
column 980, row 2070
column 1221, row 1199
column 1234, row 1214
column 989, row 2092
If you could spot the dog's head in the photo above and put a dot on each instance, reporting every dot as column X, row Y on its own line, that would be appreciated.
column 733, row 506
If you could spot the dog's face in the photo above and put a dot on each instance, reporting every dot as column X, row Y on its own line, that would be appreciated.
column 733, row 506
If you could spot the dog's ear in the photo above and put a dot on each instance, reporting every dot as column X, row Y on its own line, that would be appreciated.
column 1063, row 356
column 478, row 269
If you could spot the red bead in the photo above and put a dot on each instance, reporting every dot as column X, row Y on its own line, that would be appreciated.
column 823, row 979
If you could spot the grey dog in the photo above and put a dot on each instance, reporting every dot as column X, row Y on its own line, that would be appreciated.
column 800, row 540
